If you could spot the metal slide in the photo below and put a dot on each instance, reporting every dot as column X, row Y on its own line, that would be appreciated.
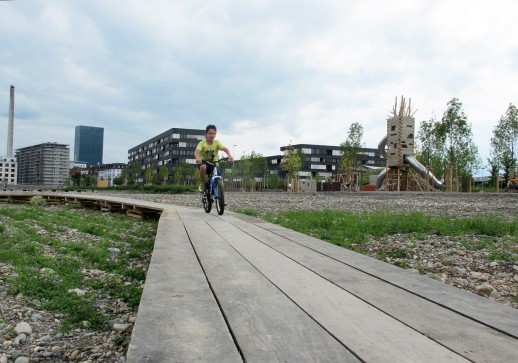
column 410, row 160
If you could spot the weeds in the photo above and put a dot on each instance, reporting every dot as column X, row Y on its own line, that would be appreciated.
column 353, row 231
column 52, row 249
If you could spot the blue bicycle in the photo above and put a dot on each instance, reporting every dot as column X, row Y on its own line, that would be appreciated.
column 214, row 191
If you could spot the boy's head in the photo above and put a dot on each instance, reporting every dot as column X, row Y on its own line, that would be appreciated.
column 210, row 133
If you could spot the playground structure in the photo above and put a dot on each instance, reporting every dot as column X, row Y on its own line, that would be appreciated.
column 403, row 171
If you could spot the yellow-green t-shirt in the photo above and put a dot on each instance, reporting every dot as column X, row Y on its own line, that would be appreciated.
column 209, row 152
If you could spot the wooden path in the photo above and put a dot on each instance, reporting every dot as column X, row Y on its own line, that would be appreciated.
column 233, row 288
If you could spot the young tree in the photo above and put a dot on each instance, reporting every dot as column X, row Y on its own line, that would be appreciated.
column 135, row 172
column 148, row 175
column 350, row 147
column 428, row 150
column 505, row 141
column 183, row 171
column 291, row 163
column 454, row 138
column 124, row 176
column 163, row 174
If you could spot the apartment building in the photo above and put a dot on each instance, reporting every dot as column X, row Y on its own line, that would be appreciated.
column 324, row 160
column 44, row 164
column 171, row 148
column 108, row 172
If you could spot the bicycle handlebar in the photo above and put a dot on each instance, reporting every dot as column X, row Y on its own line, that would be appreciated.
column 213, row 162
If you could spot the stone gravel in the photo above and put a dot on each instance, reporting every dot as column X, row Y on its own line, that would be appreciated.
column 29, row 334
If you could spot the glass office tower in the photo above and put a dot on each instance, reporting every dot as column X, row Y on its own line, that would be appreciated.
column 88, row 146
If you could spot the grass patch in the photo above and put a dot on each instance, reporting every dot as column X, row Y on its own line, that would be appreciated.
column 353, row 230
column 68, row 258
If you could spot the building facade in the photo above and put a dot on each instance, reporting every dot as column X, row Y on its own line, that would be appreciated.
column 324, row 160
column 8, row 171
column 44, row 164
column 88, row 145
column 171, row 148
column 108, row 172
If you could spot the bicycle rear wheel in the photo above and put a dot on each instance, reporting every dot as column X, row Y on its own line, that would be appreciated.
column 220, row 197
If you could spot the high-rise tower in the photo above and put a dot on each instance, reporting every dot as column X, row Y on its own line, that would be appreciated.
column 88, row 145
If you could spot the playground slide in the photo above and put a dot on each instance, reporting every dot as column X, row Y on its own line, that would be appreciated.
column 410, row 160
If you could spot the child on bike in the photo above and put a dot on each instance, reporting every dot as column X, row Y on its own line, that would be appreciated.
column 208, row 149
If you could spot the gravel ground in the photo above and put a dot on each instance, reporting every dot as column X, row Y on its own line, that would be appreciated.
column 28, row 334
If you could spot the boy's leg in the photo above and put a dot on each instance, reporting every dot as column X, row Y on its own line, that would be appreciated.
column 203, row 168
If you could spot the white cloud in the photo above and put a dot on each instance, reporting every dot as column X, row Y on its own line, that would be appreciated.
column 265, row 72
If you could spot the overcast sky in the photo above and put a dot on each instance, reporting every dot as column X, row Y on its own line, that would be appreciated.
column 267, row 73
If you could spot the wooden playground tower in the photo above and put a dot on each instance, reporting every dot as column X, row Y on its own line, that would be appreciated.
column 400, row 176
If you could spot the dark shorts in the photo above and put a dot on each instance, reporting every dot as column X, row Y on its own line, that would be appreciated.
column 209, row 167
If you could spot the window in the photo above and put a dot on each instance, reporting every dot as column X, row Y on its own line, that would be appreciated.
column 176, row 136
column 318, row 167
column 337, row 152
column 306, row 150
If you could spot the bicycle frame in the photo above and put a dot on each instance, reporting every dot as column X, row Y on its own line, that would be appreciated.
column 215, row 175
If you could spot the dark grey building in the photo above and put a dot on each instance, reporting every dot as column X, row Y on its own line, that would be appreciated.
column 43, row 164
column 171, row 148
column 88, row 146
column 324, row 160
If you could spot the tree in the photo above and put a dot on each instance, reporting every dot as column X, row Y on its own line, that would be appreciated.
column 504, row 143
column 148, row 174
column 163, row 174
column 428, row 144
column 124, row 176
column 291, row 163
column 454, row 140
column 350, row 147
column 135, row 172
column 183, row 171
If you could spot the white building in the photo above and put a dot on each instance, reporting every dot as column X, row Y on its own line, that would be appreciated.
column 109, row 172
column 8, row 171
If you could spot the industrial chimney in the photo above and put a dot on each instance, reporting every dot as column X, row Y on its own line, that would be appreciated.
column 11, row 125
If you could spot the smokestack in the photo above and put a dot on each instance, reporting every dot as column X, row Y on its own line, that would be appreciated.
column 11, row 125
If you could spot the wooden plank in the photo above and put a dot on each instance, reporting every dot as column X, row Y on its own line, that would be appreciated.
column 266, row 324
column 480, row 309
column 179, row 319
column 371, row 334
column 469, row 338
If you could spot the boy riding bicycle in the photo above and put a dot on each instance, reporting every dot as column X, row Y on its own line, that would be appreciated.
column 208, row 149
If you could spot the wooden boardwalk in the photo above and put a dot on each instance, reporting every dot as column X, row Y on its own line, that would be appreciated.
column 233, row 288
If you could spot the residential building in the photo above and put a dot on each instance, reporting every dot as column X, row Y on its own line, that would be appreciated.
column 108, row 172
column 8, row 171
column 88, row 145
column 171, row 148
column 324, row 160
column 44, row 164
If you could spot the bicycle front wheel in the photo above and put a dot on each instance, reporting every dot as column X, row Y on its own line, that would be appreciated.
column 220, row 197
column 207, row 202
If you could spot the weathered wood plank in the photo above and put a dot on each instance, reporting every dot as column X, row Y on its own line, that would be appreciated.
column 498, row 316
column 266, row 324
column 457, row 332
column 371, row 334
column 179, row 319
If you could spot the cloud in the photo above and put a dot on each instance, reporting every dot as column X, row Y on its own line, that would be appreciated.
column 266, row 72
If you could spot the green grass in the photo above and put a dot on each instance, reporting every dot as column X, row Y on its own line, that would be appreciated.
column 353, row 230
column 55, row 250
